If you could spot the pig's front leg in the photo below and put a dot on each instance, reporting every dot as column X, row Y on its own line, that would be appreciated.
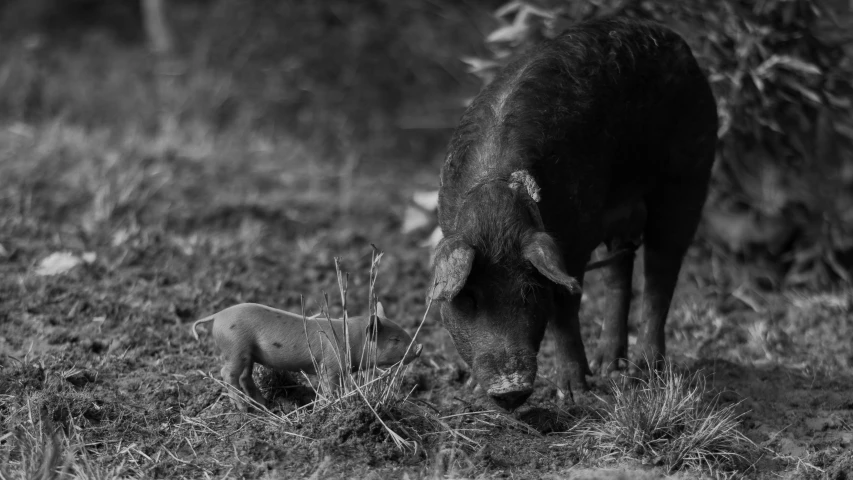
column 611, row 354
column 572, row 366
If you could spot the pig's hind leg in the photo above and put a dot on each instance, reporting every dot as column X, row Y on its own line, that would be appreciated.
column 674, row 211
column 611, row 353
column 674, row 207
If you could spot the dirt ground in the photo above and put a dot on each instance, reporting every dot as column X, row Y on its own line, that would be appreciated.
column 182, row 225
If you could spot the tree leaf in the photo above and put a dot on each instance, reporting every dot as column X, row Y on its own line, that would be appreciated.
column 508, row 33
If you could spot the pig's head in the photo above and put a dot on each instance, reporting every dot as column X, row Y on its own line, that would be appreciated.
column 495, row 278
column 392, row 342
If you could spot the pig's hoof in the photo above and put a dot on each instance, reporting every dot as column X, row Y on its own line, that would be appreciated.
column 607, row 360
column 646, row 360
column 569, row 392
column 606, row 364
column 566, row 396
column 571, row 396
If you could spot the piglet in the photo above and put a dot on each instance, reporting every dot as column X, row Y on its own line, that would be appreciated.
column 250, row 333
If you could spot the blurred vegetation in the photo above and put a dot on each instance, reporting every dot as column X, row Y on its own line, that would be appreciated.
column 386, row 79
column 376, row 76
column 781, row 71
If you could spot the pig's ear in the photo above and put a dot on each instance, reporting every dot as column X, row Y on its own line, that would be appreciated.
column 380, row 311
column 453, row 261
column 543, row 253
column 373, row 323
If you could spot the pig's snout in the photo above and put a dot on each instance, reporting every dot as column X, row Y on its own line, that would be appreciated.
column 414, row 353
column 509, row 392
column 512, row 400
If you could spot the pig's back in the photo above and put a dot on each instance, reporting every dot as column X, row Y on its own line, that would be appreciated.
column 606, row 101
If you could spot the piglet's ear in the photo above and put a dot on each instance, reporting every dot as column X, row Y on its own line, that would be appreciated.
column 543, row 253
column 373, row 325
column 453, row 261
column 380, row 311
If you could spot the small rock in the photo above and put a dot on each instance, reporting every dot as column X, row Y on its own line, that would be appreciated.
column 57, row 263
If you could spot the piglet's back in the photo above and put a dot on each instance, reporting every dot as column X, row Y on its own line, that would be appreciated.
column 275, row 338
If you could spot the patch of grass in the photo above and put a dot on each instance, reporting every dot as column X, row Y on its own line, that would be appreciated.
column 370, row 394
column 666, row 420
column 369, row 385
column 37, row 449
column 409, row 424
column 31, row 452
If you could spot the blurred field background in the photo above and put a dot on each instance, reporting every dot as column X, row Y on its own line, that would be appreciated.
column 384, row 82
column 182, row 156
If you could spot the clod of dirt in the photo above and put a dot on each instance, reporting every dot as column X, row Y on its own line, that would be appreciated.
column 841, row 468
column 277, row 386
column 81, row 378
column 352, row 433
column 67, row 407
column 355, row 424
column 199, row 402
column 18, row 379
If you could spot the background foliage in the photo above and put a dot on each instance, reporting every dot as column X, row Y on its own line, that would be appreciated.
column 781, row 71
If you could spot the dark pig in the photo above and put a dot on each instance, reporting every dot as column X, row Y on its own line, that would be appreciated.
column 605, row 134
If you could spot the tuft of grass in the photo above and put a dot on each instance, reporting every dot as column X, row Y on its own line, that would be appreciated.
column 34, row 453
column 666, row 421
column 379, row 389
column 38, row 450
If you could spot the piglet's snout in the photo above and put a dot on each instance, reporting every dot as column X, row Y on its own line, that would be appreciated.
column 414, row 353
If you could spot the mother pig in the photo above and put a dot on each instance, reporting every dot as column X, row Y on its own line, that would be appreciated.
column 605, row 134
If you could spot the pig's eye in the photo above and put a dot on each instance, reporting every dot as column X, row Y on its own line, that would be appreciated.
column 465, row 301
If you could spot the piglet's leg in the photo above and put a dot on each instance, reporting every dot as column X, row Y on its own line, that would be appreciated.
column 248, row 384
column 230, row 372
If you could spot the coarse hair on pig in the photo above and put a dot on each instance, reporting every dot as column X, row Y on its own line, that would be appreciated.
column 498, row 227
column 532, row 104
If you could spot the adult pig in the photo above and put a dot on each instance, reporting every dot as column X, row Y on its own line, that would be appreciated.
column 605, row 134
